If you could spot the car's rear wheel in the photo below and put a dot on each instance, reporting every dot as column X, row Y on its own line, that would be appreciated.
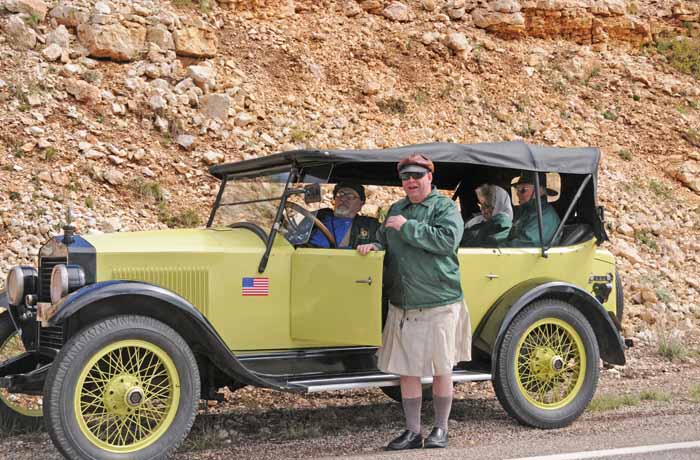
column 124, row 388
column 18, row 412
column 547, row 365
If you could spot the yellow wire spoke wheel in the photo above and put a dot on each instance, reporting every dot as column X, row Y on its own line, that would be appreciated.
column 11, row 346
column 550, row 363
column 127, row 396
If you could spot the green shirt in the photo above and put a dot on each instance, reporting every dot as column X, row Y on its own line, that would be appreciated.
column 526, row 231
column 421, row 269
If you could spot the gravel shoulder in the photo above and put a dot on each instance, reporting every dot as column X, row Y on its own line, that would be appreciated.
column 661, row 402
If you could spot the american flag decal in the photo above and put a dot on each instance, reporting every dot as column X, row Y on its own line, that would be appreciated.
column 256, row 286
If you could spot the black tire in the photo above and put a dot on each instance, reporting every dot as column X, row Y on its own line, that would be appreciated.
column 547, row 370
column 13, row 418
column 395, row 392
column 91, row 353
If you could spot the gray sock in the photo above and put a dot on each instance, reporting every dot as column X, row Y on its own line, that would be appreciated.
column 442, row 406
column 411, row 409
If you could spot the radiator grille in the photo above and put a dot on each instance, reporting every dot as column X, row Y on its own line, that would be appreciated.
column 46, row 265
column 51, row 337
column 191, row 283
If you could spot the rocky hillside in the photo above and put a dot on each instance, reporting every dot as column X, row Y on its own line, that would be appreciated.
column 115, row 109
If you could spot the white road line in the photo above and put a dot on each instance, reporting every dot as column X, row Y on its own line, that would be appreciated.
column 609, row 452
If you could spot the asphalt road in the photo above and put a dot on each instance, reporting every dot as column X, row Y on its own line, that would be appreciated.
column 592, row 435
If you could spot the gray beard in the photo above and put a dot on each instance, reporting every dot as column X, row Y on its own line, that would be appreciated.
column 342, row 212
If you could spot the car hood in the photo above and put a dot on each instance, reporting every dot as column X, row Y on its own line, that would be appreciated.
column 176, row 241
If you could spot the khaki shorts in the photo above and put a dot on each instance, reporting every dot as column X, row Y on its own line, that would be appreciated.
column 425, row 342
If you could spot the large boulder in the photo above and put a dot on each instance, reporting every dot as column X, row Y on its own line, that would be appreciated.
column 195, row 42
column 35, row 8
column 161, row 36
column 21, row 35
column 69, row 16
column 114, row 41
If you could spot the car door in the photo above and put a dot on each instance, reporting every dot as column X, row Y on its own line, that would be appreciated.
column 336, row 297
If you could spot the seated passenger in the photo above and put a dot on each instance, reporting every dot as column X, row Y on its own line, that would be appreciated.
column 525, row 231
column 347, row 227
column 491, row 227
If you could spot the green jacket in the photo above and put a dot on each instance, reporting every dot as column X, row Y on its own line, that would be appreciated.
column 525, row 231
column 490, row 233
column 421, row 269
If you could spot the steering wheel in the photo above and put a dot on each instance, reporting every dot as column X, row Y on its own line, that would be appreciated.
column 317, row 223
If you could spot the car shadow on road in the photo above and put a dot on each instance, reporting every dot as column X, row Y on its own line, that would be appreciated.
column 275, row 425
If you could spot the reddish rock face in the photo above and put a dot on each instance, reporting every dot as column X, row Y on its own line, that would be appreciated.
column 195, row 42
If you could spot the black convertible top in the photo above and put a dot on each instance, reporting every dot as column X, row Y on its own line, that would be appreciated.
column 378, row 166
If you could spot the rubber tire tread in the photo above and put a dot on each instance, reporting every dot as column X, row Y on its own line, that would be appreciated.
column 76, row 349
column 515, row 405
column 9, row 418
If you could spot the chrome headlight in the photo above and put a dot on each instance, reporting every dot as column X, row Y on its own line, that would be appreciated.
column 66, row 279
column 20, row 281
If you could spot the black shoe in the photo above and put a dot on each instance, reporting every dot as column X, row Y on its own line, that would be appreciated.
column 436, row 438
column 407, row 440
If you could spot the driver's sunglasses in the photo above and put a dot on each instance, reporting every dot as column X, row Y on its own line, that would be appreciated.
column 522, row 188
column 347, row 195
column 411, row 175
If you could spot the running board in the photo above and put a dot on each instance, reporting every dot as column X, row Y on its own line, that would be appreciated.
column 374, row 380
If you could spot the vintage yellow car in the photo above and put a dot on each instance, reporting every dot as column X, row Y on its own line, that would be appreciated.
column 114, row 339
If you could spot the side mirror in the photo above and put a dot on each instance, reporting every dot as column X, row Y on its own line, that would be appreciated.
column 312, row 193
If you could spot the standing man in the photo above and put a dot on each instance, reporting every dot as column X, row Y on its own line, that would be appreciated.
column 427, row 330
column 348, row 228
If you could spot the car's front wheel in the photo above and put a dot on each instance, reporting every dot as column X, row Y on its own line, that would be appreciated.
column 124, row 388
column 547, row 365
column 18, row 412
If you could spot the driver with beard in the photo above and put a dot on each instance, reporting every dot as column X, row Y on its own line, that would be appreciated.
column 349, row 229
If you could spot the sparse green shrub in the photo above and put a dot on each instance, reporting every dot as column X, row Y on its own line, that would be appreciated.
column 526, row 131
column 147, row 189
column 663, row 295
column 692, row 136
column 695, row 392
column 185, row 219
column 300, row 135
column 625, row 155
column 14, row 196
column 681, row 52
column 421, row 97
column 659, row 189
column 646, row 238
column 636, row 97
column 671, row 347
column 89, row 202
column 653, row 395
column 611, row 402
column 50, row 153
column 610, row 115
column 392, row 105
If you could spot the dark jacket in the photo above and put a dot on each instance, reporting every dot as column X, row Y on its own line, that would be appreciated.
column 363, row 229
column 487, row 234
column 525, row 231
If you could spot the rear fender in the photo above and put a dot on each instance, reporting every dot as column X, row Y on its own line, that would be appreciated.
column 489, row 334
column 100, row 300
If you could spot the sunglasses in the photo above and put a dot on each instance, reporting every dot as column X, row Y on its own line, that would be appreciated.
column 411, row 175
column 523, row 188
column 347, row 195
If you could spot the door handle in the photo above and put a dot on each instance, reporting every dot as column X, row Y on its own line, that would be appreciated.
column 367, row 281
column 491, row 276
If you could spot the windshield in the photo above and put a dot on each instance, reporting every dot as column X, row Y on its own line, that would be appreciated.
column 253, row 200
column 256, row 199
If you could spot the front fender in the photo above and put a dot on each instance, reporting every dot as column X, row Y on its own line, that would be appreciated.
column 97, row 301
column 489, row 334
